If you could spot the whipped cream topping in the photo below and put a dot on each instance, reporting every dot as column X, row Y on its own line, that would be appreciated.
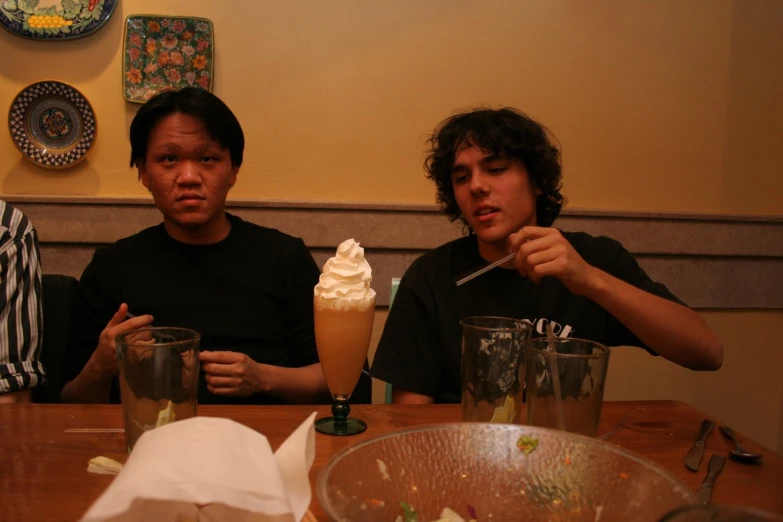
column 347, row 275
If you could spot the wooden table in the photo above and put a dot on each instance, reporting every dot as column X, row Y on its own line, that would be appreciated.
column 43, row 468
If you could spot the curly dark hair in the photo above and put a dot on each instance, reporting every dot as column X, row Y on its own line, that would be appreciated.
column 507, row 132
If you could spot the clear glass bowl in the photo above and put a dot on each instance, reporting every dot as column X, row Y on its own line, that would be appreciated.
column 567, row 477
column 713, row 513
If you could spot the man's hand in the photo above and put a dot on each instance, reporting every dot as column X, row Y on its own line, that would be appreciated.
column 231, row 373
column 104, row 360
column 670, row 329
column 544, row 252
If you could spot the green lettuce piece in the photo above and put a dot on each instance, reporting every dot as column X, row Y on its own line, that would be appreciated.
column 527, row 444
column 408, row 513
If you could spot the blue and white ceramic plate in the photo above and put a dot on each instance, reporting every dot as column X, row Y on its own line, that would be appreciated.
column 55, row 19
column 52, row 124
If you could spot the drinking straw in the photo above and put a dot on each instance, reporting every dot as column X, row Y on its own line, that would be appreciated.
column 486, row 269
column 550, row 347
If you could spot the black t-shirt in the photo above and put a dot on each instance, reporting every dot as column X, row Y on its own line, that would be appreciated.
column 249, row 293
column 420, row 351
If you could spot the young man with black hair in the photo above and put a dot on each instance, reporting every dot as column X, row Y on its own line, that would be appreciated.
column 246, row 289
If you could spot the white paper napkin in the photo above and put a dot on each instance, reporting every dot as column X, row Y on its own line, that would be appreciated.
column 211, row 470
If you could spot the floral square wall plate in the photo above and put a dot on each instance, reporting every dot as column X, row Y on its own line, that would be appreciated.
column 55, row 19
column 166, row 52
column 52, row 124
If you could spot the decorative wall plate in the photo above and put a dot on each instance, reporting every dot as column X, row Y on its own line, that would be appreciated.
column 55, row 19
column 52, row 124
column 163, row 52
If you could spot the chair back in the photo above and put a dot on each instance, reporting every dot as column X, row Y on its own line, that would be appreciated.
column 395, row 284
column 58, row 298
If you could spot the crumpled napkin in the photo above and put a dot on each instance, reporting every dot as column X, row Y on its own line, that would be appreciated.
column 211, row 470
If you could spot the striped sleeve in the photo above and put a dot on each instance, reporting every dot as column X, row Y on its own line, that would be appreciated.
column 21, row 315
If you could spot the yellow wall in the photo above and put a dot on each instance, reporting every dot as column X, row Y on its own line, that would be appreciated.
column 664, row 105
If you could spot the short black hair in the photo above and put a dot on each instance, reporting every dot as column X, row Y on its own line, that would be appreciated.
column 222, row 126
column 507, row 132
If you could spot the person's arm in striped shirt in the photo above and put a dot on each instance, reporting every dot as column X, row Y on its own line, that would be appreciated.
column 21, row 316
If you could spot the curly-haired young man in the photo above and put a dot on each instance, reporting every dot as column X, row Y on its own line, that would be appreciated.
column 499, row 172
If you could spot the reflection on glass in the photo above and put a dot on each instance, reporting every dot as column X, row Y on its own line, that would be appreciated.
column 581, row 368
column 158, row 369
column 493, row 369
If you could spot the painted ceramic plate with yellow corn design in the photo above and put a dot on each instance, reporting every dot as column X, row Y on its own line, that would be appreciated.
column 55, row 19
column 52, row 124
column 166, row 52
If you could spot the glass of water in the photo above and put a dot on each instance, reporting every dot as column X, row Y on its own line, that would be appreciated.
column 159, row 370
column 493, row 369
column 564, row 382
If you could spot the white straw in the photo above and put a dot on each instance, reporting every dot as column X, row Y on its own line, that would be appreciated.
column 550, row 337
column 486, row 269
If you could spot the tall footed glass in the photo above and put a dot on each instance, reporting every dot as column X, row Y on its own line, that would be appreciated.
column 342, row 335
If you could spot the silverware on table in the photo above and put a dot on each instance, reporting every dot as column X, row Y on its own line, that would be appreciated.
column 713, row 470
column 615, row 428
column 696, row 453
column 739, row 453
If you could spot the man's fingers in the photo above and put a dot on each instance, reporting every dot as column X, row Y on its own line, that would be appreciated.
column 542, row 256
column 219, row 369
column 537, row 245
column 132, row 324
column 220, row 357
column 137, row 341
column 222, row 391
column 140, row 337
column 119, row 316
column 526, row 234
column 223, row 382
column 550, row 268
column 542, row 245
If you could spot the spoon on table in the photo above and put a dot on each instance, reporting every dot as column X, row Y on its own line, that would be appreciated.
column 739, row 453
